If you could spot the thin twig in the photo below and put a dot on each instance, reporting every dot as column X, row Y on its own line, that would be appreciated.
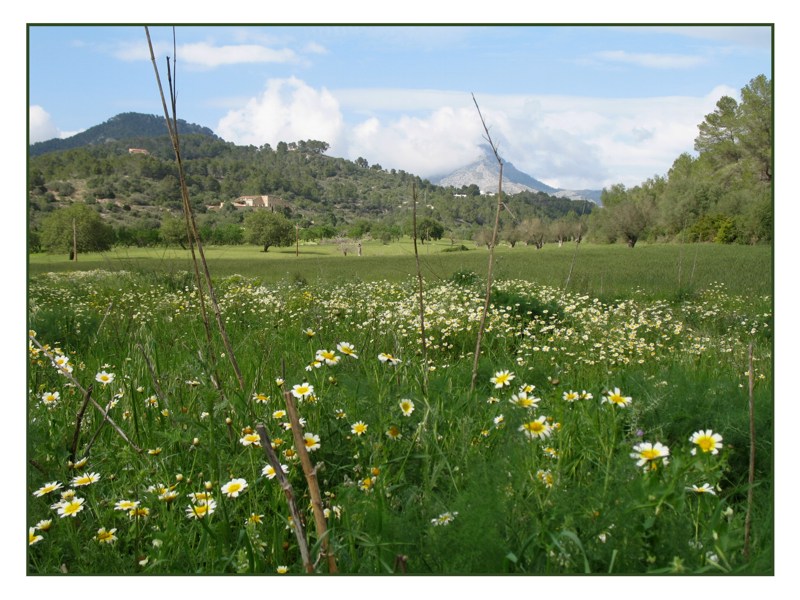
column 153, row 375
column 311, row 478
column 482, row 325
column 297, row 521
column 189, row 215
column 87, row 396
column 75, row 382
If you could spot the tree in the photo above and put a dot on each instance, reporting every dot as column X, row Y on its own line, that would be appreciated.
column 428, row 229
column 173, row 232
column 77, row 225
column 266, row 228
column 755, row 116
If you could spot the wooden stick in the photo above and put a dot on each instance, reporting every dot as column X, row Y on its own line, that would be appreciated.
column 299, row 531
column 87, row 395
column 419, row 294
column 153, row 376
column 311, row 478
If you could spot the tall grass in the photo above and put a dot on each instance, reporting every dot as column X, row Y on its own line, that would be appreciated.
column 457, row 487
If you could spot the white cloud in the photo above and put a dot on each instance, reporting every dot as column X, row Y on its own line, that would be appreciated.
column 652, row 61
column 566, row 141
column 432, row 145
column 206, row 55
column 41, row 127
column 288, row 110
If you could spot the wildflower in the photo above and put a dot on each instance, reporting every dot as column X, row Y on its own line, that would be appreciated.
column 250, row 439
column 104, row 378
column 394, row 432
column 703, row 489
column 536, row 429
column 616, row 398
column 523, row 400
column 279, row 381
column 367, row 483
column 50, row 398
column 201, row 510
column 168, row 495
column 47, row 488
column 444, row 519
column 499, row 420
column 359, row 428
column 106, row 536
column 586, row 395
column 254, row 519
column 151, row 402
column 192, row 382
column 85, row 479
column 139, row 511
column 302, row 390
column 260, row 398
column 200, row 497
column 269, row 471
column 154, row 451
column 340, row 414
column 707, row 441
column 165, row 412
column 33, row 537
column 492, row 400
column 502, row 379
column 407, row 407
column 647, row 455
column 551, row 452
column 328, row 357
column 546, row 477
column 278, row 414
column 44, row 524
column 282, row 569
column 234, row 487
column 571, row 396
column 389, row 359
column 67, row 494
column 70, row 508
column 311, row 441
column 309, row 332
column 126, row 505
column 527, row 388
column 347, row 349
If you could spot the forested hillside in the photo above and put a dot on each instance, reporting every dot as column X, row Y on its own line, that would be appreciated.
column 723, row 194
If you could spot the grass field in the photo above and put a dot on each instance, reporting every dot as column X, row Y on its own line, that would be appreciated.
column 608, row 432
column 660, row 269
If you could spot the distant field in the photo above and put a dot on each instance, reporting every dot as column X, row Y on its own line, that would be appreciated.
column 657, row 269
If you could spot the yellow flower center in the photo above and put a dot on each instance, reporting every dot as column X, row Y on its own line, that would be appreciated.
column 706, row 443
column 650, row 454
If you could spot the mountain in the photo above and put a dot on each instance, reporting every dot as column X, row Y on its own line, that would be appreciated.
column 485, row 171
column 122, row 126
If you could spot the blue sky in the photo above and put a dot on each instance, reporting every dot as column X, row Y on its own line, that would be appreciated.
column 575, row 106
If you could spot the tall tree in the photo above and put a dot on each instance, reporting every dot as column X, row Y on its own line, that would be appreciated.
column 266, row 228
column 76, row 226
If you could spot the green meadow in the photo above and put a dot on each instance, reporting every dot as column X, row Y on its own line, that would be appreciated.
column 608, row 430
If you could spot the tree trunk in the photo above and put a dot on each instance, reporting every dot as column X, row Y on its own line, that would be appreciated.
column 265, row 247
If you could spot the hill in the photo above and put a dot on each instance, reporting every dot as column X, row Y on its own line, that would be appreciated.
column 122, row 126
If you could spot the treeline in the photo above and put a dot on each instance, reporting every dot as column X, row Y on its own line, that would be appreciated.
column 722, row 195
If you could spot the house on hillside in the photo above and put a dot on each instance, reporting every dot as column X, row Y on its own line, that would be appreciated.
column 271, row 202
column 137, row 151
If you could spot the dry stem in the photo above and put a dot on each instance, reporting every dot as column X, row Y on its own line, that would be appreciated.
column 751, row 475
column 299, row 530
column 311, row 478
column 482, row 325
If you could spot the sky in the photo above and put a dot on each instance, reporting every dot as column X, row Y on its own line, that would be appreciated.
column 578, row 107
